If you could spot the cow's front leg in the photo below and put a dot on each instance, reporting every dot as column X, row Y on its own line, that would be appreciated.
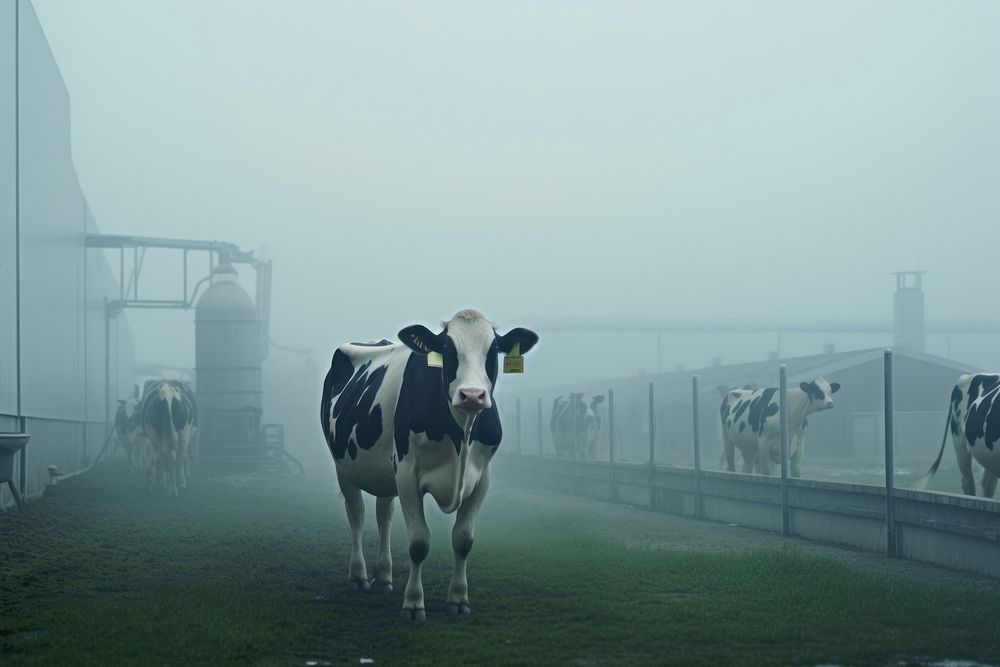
column 383, row 563
column 357, row 574
column 411, row 502
column 795, row 460
column 461, row 543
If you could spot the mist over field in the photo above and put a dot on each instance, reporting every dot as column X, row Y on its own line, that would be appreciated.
column 766, row 162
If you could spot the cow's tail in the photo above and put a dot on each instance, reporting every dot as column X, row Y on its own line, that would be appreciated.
column 926, row 479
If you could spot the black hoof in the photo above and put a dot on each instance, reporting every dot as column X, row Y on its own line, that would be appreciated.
column 362, row 585
column 382, row 586
column 458, row 609
column 413, row 615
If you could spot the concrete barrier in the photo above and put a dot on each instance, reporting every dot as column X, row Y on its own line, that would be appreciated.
column 951, row 530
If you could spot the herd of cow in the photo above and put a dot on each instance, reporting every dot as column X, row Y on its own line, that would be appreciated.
column 749, row 421
column 420, row 418
column 156, row 432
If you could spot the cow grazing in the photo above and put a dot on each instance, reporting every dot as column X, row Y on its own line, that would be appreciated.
column 974, row 422
column 169, row 417
column 576, row 425
column 750, row 422
column 414, row 419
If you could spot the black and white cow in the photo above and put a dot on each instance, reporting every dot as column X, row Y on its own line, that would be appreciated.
column 974, row 422
column 169, row 416
column 750, row 423
column 128, row 431
column 414, row 419
column 576, row 425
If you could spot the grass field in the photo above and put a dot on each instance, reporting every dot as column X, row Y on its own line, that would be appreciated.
column 252, row 570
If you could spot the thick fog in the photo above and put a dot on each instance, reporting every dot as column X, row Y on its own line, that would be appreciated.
column 765, row 162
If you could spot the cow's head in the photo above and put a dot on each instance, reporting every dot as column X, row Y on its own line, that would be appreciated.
column 820, row 393
column 470, row 348
column 587, row 406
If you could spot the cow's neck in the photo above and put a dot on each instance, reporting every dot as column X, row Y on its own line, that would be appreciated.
column 799, row 406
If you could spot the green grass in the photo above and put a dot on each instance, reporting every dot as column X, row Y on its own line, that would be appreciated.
column 252, row 573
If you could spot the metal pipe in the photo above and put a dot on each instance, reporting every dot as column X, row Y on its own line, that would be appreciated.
column 517, row 408
column 539, row 426
column 890, row 509
column 611, row 443
column 783, row 430
column 652, row 429
column 696, row 423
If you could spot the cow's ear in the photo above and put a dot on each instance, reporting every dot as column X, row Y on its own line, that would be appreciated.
column 834, row 387
column 597, row 400
column 526, row 338
column 804, row 386
column 420, row 339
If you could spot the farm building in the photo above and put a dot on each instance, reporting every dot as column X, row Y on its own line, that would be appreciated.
column 852, row 430
column 63, row 360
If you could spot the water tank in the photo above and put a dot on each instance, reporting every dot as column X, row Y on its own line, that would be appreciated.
column 909, row 311
column 227, row 369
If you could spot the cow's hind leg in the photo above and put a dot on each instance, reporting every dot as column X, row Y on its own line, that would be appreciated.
column 989, row 483
column 461, row 543
column 730, row 453
column 383, row 563
column 411, row 502
column 355, row 505
column 964, row 459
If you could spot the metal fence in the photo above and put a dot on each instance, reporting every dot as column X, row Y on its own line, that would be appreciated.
column 946, row 529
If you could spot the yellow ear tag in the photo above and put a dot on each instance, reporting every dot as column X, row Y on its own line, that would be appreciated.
column 513, row 362
column 435, row 360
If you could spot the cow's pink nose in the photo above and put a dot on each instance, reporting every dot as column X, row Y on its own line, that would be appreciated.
column 472, row 397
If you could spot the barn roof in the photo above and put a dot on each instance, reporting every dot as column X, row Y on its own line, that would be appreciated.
column 676, row 385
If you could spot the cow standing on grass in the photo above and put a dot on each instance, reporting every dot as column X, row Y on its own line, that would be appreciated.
column 750, row 422
column 974, row 422
column 415, row 419
column 169, row 416
column 576, row 425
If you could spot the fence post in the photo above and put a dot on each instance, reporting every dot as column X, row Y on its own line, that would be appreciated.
column 611, row 444
column 890, row 509
column 540, row 452
column 571, row 415
column 652, row 429
column 520, row 449
column 696, row 415
column 783, row 423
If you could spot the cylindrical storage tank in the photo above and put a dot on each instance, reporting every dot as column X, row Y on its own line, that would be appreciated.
column 227, row 367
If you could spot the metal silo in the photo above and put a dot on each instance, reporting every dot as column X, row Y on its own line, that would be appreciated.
column 228, row 372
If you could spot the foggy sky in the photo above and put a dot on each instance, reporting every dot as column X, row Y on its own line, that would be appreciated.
column 398, row 161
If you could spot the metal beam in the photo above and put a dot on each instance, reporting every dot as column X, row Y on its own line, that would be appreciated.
column 227, row 251
column 635, row 325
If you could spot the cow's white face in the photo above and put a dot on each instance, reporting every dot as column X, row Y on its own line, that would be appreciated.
column 470, row 348
column 820, row 393
column 591, row 417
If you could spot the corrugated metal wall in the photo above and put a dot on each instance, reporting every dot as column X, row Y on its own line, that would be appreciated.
column 67, row 383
